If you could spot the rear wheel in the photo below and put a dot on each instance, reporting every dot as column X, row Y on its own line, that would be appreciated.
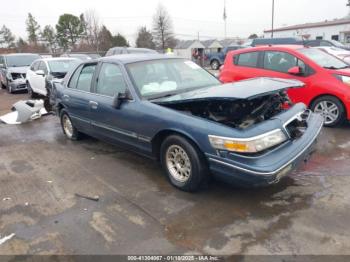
column 183, row 163
column 331, row 109
column 68, row 128
column 215, row 64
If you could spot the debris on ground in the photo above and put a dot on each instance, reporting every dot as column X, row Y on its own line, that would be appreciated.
column 24, row 111
column 94, row 198
column 6, row 238
column 6, row 199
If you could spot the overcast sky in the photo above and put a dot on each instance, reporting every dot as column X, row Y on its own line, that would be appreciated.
column 189, row 16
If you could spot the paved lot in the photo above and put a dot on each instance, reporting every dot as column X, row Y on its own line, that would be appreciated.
column 140, row 213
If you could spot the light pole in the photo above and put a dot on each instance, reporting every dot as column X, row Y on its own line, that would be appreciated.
column 273, row 17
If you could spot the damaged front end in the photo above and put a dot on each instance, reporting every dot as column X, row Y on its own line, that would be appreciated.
column 240, row 105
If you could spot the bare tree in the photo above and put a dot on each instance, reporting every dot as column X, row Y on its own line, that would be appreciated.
column 93, row 28
column 163, row 29
column 144, row 38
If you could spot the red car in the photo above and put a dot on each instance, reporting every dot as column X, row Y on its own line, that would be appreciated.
column 326, row 78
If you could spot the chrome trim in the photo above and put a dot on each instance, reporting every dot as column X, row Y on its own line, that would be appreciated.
column 275, row 171
column 246, row 139
column 296, row 116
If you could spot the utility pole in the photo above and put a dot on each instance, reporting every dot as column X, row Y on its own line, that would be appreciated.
column 273, row 17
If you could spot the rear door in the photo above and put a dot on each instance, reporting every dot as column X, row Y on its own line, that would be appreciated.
column 77, row 96
column 245, row 65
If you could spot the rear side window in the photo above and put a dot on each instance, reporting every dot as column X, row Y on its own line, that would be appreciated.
column 74, row 79
column 247, row 59
column 85, row 77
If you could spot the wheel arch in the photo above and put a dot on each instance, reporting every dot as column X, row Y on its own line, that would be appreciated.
column 332, row 95
column 161, row 135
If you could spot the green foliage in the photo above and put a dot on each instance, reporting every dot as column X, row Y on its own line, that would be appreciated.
column 6, row 37
column 105, row 38
column 119, row 40
column 49, row 36
column 145, row 39
column 32, row 28
column 252, row 36
column 69, row 30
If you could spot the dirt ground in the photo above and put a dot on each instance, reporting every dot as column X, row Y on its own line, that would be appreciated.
column 138, row 212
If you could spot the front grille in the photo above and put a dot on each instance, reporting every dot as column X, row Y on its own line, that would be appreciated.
column 22, row 86
column 297, row 126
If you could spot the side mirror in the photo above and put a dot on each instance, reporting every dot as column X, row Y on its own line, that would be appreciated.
column 295, row 70
column 120, row 98
column 40, row 72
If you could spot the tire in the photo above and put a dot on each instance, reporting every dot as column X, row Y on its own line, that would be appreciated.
column 176, row 150
column 215, row 65
column 30, row 91
column 67, row 126
column 331, row 109
column 2, row 86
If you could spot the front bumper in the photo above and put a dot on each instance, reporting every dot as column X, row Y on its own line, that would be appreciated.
column 270, row 167
column 17, row 84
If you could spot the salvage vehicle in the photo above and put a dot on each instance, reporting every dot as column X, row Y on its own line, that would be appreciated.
column 129, row 50
column 216, row 59
column 43, row 72
column 13, row 68
column 171, row 109
column 326, row 78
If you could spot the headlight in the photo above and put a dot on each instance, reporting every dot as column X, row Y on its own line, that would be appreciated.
column 248, row 145
column 344, row 79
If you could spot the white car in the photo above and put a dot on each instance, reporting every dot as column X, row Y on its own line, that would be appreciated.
column 337, row 52
column 42, row 71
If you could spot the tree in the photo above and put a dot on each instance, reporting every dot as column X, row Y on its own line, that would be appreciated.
column 145, row 38
column 69, row 30
column 163, row 29
column 33, row 29
column 105, row 38
column 119, row 40
column 6, row 37
column 22, row 45
column 92, row 28
column 252, row 36
column 49, row 36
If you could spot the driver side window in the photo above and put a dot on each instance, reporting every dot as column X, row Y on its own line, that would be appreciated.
column 110, row 80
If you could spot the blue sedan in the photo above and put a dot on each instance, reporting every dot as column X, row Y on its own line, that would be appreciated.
column 172, row 110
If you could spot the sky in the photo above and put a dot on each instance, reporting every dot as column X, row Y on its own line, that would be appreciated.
column 190, row 17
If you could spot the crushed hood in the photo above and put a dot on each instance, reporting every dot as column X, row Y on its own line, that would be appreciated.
column 20, row 69
column 246, row 89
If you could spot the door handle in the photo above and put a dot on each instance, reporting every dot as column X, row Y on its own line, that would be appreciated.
column 66, row 98
column 93, row 104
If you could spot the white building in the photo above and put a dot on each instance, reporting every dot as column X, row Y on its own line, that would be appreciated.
column 185, row 49
column 338, row 29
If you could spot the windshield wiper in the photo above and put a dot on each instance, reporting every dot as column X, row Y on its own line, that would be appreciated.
column 163, row 96
column 335, row 68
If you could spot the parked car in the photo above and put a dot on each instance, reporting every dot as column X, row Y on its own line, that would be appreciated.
column 43, row 72
column 336, row 51
column 129, row 50
column 171, row 109
column 13, row 68
column 216, row 59
column 321, row 42
column 272, row 41
column 82, row 57
column 94, row 56
column 326, row 78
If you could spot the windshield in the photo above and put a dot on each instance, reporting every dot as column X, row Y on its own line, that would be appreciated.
column 20, row 60
column 159, row 78
column 61, row 66
column 323, row 59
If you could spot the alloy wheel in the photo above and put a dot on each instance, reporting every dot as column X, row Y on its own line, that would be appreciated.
column 178, row 163
column 328, row 110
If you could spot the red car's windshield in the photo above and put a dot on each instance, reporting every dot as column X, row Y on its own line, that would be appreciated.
column 323, row 59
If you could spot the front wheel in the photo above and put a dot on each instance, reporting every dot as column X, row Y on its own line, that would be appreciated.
column 215, row 65
column 183, row 163
column 331, row 109
column 68, row 128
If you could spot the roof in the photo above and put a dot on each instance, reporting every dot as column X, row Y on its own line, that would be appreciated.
column 48, row 59
column 187, row 43
column 269, row 47
column 228, row 42
column 209, row 43
column 133, row 58
column 311, row 25
column 19, row 54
